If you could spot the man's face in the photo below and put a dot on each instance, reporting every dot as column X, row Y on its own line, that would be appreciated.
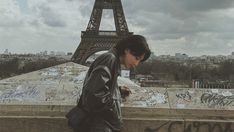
column 131, row 61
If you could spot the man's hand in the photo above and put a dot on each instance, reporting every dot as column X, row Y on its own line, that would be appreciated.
column 125, row 91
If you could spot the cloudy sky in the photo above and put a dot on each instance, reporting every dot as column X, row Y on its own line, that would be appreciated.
column 193, row 27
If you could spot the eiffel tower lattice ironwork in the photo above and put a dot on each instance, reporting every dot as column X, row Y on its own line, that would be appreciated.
column 94, row 40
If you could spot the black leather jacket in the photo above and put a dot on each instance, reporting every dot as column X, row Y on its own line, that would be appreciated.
column 100, row 94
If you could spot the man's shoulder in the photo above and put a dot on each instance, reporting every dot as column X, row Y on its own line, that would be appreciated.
column 107, row 59
column 108, row 55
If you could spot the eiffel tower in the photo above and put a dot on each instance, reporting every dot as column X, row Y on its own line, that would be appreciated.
column 93, row 39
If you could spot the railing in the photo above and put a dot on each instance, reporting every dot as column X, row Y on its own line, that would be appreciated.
column 210, row 85
column 105, row 33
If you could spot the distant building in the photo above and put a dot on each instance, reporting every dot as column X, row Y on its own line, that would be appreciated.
column 60, row 53
column 153, row 56
column 203, row 57
column 43, row 53
column 69, row 53
column 6, row 52
column 196, row 83
column 230, row 57
column 181, row 56
column 52, row 53
column 125, row 73
column 163, row 57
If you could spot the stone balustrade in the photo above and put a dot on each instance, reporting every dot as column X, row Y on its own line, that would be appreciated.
column 38, row 101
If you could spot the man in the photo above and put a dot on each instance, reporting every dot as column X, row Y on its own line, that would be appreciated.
column 101, row 96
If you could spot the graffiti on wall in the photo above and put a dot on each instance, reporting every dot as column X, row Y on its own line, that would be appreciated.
column 184, row 96
column 217, row 99
column 178, row 126
column 19, row 93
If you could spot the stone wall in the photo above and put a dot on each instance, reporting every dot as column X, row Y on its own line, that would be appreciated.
column 38, row 101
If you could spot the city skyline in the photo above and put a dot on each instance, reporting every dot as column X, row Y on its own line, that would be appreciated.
column 201, row 27
column 7, row 52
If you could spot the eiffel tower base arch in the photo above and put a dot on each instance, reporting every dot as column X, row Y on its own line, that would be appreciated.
column 91, row 45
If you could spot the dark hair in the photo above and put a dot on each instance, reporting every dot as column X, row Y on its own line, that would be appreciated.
column 136, row 44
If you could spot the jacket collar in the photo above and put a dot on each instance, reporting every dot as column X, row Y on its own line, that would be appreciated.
column 114, row 51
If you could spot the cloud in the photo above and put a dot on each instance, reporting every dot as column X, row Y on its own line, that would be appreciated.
column 198, row 44
column 51, row 17
column 204, row 5
column 10, row 14
column 194, row 27
column 48, row 26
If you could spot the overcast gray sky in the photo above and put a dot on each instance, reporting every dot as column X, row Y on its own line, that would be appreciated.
column 194, row 27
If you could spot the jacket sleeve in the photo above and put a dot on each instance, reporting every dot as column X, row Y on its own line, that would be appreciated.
column 96, row 91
